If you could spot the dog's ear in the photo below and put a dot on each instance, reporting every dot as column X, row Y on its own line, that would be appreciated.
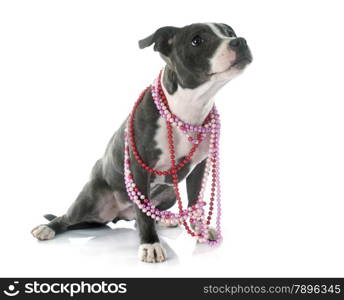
column 162, row 39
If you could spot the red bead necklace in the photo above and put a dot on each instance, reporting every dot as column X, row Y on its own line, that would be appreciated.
column 136, row 153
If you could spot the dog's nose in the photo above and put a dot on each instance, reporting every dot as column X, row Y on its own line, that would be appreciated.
column 237, row 43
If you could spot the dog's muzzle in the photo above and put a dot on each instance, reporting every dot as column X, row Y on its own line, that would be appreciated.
column 243, row 53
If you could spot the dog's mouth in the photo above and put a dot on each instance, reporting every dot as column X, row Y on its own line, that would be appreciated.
column 242, row 62
column 239, row 64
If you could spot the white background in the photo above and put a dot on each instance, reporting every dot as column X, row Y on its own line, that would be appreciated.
column 70, row 72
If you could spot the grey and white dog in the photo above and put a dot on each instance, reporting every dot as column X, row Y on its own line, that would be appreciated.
column 200, row 59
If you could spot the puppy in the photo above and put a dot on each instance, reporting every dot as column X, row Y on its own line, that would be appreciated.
column 200, row 59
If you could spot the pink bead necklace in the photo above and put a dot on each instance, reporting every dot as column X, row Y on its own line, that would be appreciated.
column 195, row 214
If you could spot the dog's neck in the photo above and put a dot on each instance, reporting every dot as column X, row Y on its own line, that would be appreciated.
column 190, row 105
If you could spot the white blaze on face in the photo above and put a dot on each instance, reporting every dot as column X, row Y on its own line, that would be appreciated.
column 223, row 57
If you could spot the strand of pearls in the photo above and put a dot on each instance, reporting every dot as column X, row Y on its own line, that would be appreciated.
column 195, row 214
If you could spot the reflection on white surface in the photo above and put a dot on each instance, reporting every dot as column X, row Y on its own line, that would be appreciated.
column 120, row 242
column 110, row 251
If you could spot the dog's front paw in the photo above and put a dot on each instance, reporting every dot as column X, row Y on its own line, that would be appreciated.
column 211, row 235
column 152, row 253
column 43, row 232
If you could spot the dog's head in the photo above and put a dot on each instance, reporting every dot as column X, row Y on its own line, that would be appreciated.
column 200, row 52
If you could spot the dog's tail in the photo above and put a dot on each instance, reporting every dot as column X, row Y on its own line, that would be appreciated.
column 50, row 217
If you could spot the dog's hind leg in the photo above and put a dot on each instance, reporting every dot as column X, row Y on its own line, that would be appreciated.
column 59, row 225
column 94, row 207
column 83, row 225
column 48, row 231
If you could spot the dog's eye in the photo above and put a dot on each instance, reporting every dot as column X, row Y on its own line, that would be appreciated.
column 196, row 41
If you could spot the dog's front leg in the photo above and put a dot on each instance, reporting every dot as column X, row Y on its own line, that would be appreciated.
column 193, row 185
column 194, row 182
column 150, row 249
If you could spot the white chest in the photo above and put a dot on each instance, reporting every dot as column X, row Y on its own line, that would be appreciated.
column 182, row 148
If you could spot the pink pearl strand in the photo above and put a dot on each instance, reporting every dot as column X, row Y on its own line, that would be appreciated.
column 217, row 129
column 213, row 153
column 146, row 205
